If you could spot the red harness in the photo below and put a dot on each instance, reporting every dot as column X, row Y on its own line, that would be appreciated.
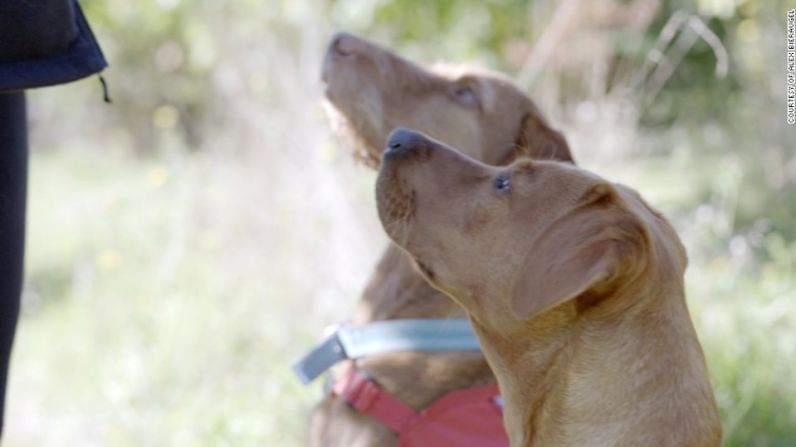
column 470, row 417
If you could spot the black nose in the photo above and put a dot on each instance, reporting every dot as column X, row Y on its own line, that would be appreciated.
column 403, row 141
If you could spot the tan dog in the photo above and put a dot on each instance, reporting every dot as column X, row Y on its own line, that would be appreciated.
column 372, row 90
column 574, row 286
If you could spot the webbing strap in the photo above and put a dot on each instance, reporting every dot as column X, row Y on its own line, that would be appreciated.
column 368, row 397
column 378, row 337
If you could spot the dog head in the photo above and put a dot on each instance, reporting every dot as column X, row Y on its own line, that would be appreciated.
column 508, row 243
column 372, row 90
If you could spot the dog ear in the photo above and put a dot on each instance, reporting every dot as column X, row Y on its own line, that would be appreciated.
column 593, row 245
column 538, row 141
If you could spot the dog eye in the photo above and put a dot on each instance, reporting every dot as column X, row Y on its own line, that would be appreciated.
column 502, row 184
column 464, row 95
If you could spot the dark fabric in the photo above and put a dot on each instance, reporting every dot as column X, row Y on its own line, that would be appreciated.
column 45, row 42
column 13, row 181
column 42, row 42
column 31, row 29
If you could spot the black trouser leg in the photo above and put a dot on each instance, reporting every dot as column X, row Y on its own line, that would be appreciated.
column 13, row 180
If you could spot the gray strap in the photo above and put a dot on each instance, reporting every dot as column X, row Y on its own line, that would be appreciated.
column 351, row 342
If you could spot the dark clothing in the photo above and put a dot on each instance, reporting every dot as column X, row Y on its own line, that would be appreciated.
column 45, row 42
column 42, row 42
column 13, row 173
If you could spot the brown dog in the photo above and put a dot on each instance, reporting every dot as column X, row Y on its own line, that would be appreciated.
column 574, row 286
column 371, row 91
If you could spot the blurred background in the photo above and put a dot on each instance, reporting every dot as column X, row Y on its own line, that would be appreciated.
column 191, row 240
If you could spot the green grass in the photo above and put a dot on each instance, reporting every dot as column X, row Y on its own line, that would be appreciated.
column 141, row 325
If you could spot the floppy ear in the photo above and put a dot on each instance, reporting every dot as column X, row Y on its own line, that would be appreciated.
column 539, row 141
column 593, row 245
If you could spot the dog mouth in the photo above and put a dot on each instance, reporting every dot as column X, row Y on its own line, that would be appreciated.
column 362, row 84
column 359, row 136
column 396, row 205
column 426, row 271
column 353, row 105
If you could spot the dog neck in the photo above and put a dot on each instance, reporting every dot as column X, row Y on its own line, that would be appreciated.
column 397, row 290
column 637, row 376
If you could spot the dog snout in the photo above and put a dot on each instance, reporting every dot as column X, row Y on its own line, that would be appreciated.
column 405, row 143
column 343, row 45
column 342, row 48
